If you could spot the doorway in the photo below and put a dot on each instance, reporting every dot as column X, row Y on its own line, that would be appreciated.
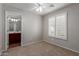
column 12, row 29
column 14, row 33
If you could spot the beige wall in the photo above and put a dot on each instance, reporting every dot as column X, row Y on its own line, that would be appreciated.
column 73, row 28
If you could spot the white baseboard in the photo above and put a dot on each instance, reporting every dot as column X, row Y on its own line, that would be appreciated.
column 61, row 46
column 0, row 53
column 33, row 42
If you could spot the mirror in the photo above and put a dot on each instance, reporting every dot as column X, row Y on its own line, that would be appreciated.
column 14, row 23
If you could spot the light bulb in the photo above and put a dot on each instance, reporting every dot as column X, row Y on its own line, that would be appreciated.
column 12, row 19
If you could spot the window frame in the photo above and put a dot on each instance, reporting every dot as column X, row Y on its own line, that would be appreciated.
column 66, row 26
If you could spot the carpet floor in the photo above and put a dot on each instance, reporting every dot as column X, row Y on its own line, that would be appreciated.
column 39, row 49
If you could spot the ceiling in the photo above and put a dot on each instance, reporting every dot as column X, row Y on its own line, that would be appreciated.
column 30, row 6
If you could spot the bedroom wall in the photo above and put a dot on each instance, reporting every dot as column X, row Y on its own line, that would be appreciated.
column 31, row 25
column 32, row 28
column 0, row 28
column 73, row 29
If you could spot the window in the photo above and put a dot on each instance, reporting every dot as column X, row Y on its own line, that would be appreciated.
column 52, row 26
column 58, row 26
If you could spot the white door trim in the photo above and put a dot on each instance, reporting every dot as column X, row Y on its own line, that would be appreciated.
column 6, row 28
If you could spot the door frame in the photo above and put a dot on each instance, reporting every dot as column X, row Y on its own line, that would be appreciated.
column 6, row 40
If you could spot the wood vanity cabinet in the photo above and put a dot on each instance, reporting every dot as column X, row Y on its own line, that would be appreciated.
column 14, row 39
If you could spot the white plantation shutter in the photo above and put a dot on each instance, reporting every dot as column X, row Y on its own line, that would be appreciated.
column 58, row 26
column 52, row 26
column 61, row 26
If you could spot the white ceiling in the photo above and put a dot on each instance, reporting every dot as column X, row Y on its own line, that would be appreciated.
column 29, row 7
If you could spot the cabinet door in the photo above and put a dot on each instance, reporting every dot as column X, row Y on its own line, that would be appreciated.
column 14, row 39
